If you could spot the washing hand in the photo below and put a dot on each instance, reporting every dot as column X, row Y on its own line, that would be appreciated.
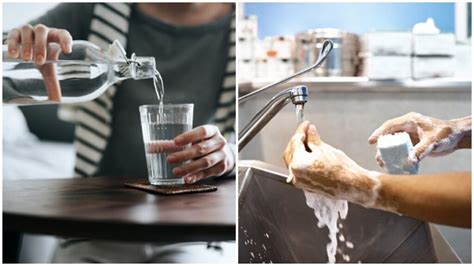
column 315, row 166
column 210, row 154
column 431, row 136
column 318, row 167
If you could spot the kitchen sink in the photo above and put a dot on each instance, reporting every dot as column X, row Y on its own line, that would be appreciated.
column 276, row 225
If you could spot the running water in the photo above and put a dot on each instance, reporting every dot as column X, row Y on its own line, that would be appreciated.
column 328, row 211
column 299, row 113
column 159, row 87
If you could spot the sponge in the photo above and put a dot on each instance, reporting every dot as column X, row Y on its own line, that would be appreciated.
column 395, row 150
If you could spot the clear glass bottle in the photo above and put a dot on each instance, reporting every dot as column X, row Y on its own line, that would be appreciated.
column 82, row 75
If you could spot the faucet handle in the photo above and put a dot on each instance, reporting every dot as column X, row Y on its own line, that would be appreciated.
column 323, row 53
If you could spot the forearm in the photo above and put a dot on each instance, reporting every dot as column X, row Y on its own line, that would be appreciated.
column 439, row 198
column 464, row 125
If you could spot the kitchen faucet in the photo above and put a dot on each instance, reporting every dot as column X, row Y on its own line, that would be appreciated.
column 298, row 95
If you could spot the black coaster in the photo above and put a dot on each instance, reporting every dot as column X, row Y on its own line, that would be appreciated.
column 172, row 190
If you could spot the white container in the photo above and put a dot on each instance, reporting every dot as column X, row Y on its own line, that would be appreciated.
column 248, row 27
column 247, row 48
column 387, row 67
column 277, row 68
column 283, row 46
column 434, row 44
column 262, row 68
column 386, row 43
column 433, row 67
column 463, row 61
column 247, row 70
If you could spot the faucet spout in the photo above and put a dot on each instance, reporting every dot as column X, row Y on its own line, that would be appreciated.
column 298, row 95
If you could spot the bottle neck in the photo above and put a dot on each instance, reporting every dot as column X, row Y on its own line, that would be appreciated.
column 142, row 67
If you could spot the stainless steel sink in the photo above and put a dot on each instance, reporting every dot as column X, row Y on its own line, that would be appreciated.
column 275, row 225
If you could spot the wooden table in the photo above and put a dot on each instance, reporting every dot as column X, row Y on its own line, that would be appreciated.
column 103, row 208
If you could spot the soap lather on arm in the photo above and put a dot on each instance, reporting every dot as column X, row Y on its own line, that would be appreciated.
column 431, row 136
column 443, row 198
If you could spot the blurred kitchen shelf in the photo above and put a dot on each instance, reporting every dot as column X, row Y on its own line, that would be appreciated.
column 363, row 84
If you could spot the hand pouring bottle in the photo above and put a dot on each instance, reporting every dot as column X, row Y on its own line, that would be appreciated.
column 82, row 75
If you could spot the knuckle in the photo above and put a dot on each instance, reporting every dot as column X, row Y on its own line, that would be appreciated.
column 221, row 142
column 221, row 168
column 65, row 33
column 40, row 28
column 203, row 131
column 206, row 162
column 26, row 27
column 13, row 33
column 201, row 149
column 221, row 138
column 413, row 115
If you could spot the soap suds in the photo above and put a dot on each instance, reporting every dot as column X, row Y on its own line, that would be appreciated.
column 328, row 211
column 349, row 245
column 444, row 146
column 341, row 238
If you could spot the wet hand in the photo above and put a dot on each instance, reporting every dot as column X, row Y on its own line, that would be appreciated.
column 209, row 154
column 318, row 167
column 430, row 136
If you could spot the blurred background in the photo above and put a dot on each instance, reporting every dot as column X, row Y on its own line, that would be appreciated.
column 389, row 59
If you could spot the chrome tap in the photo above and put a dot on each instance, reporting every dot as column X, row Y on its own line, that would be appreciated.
column 298, row 96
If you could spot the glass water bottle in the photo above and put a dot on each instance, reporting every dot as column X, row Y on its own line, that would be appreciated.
column 82, row 75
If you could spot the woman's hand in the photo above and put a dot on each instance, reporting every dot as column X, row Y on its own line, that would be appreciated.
column 431, row 136
column 39, row 44
column 209, row 153
column 31, row 42
column 318, row 167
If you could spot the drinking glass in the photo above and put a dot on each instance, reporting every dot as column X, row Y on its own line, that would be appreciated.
column 160, row 125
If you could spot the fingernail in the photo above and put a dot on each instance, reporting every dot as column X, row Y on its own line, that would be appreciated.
column 39, row 59
column 67, row 48
column 178, row 140
column 13, row 51
column 190, row 179
column 176, row 171
column 170, row 158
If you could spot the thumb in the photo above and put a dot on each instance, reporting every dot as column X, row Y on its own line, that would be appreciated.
column 312, row 137
column 300, row 133
column 423, row 148
column 302, row 128
column 296, row 143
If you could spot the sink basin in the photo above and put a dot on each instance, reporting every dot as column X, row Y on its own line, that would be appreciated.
column 276, row 225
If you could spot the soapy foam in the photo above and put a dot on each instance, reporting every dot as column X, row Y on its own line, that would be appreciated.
column 444, row 146
column 328, row 211
column 304, row 160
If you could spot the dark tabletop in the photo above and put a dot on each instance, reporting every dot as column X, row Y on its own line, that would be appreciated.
column 103, row 208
